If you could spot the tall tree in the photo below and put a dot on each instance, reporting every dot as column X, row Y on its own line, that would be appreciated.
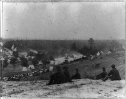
column 91, row 42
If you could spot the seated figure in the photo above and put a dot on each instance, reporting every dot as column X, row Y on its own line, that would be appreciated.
column 57, row 77
column 113, row 74
column 102, row 75
column 76, row 75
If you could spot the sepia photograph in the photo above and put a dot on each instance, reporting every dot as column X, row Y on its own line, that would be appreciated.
column 62, row 49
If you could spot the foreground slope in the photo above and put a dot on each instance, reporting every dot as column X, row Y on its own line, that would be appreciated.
column 83, row 88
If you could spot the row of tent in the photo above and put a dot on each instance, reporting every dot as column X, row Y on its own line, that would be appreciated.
column 103, row 53
column 69, row 58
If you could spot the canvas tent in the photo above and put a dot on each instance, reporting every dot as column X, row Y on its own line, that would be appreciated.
column 51, row 68
column 98, row 54
column 101, row 52
column 24, row 69
column 108, row 53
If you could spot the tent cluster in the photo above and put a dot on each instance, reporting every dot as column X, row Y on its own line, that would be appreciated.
column 15, row 61
column 67, row 59
column 103, row 53
column 99, row 53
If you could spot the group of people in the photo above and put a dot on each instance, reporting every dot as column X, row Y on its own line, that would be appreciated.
column 60, row 76
column 112, row 75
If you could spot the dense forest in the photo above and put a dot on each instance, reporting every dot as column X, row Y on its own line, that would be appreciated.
column 61, row 47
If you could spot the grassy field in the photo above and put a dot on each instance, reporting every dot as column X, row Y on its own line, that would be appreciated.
column 87, row 66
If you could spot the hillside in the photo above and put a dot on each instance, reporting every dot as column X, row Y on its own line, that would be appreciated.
column 117, row 58
column 106, row 61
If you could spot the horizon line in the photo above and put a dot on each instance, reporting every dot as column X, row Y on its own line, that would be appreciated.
column 54, row 39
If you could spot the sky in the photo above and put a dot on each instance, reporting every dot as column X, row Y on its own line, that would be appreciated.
column 64, row 20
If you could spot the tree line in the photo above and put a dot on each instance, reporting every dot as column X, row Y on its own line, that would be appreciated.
column 54, row 48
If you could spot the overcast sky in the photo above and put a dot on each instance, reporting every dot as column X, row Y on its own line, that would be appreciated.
column 76, row 20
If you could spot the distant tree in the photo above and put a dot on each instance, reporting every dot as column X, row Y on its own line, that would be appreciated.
column 74, row 47
column 45, row 62
column 24, row 62
column 94, row 51
column 35, row 61
column 15, row 53
column 114, row 44
column 8, row 44
column 84, row 50
column 91, row 42
column 39, row 56
column 51, row 58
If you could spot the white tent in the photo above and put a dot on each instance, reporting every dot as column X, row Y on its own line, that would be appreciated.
column 51, row 68
column 92, row 57
column 84, row 55
column 52, row 62
column 24, row 69
column 108, row 53
column 8, row 61
column 1, row 43
column 40, row 63
column 98, row 54
column 23, row 54
column 102, row 52
column 34, row 51
column 12, row 47
column 31, row 67
column 59, row 60
column 70, row 59
column 2, row 58
column 15, row 49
